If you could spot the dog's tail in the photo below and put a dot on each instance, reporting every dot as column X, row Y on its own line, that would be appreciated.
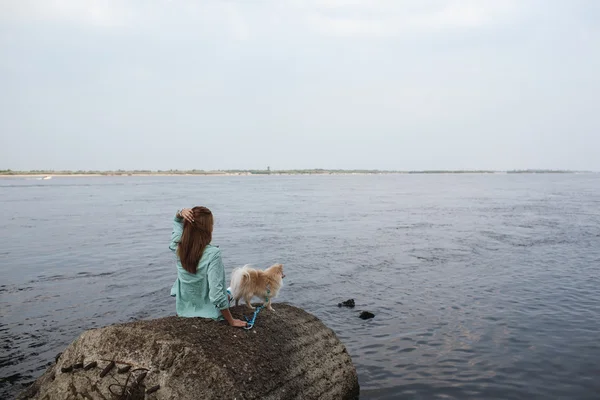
column 238, row 276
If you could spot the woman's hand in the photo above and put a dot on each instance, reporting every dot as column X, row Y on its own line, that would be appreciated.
column 187, row 214
column 238, row 323
column 232, row 321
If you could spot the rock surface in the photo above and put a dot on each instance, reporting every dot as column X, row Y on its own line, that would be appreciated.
column 289, row 354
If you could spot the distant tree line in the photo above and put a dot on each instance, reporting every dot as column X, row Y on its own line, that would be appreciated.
column 313, row 171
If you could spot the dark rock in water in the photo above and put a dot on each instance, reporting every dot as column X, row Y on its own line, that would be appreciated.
column 366, row 315
column 290, row 354
column 347, row 303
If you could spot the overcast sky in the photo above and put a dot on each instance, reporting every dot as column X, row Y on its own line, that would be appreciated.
column 382, row 84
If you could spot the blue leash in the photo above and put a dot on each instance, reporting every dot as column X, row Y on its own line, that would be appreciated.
column 251, row 322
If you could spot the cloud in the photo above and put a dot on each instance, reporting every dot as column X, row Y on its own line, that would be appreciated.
column 368, row 18
column 91, row 12
column 474, row 76
column 153, row 18
column 391, row 18
column 237, row 24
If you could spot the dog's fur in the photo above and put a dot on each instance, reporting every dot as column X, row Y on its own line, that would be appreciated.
column 247, row 282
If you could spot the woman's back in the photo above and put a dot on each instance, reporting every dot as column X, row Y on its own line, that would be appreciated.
column 203, row 293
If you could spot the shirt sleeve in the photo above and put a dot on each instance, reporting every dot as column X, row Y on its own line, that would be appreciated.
column 176, row 234
column 217, row 292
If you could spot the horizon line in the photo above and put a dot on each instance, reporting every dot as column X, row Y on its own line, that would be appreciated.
column 9, row 172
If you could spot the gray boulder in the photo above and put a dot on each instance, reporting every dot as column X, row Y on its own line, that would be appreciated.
column 290, row 354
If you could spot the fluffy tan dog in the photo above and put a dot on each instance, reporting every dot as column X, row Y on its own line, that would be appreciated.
column 247, row 282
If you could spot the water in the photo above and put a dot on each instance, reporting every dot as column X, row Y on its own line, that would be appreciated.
column 483, row 286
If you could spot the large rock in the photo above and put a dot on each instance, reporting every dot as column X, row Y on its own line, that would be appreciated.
column 289, row 354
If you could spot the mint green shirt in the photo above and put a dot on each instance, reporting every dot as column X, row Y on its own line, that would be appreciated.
column 204, row 293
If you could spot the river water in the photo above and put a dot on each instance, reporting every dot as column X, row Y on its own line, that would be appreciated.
column 482, row 286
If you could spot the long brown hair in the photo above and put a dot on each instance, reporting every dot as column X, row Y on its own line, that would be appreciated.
column 195, row 237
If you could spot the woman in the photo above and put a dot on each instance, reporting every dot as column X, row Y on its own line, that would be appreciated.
column 200, row 289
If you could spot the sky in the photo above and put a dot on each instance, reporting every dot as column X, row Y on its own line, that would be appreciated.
column 290, row 84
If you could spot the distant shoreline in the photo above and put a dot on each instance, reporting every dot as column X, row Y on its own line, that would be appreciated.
column 142, row 173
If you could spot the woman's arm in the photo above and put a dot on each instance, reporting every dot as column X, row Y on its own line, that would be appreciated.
column 217, row 293
column 238, row 323
column 186, row 214
column 176, row 233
